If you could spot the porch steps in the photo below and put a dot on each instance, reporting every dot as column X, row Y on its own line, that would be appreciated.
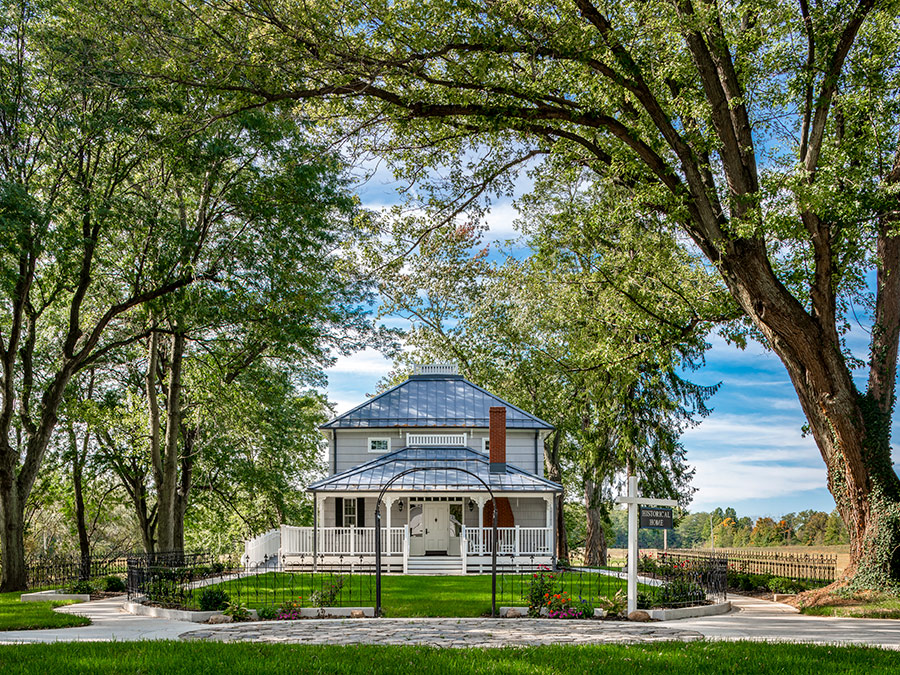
column 436, row 565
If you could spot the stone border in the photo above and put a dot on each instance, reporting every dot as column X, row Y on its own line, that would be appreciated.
column 689, row 612
column 54, row 595
column 192, row 616
column 598, row 612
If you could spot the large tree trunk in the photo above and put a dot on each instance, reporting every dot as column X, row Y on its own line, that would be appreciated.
column 852, row 430
column 167, row 487
column 595, row 539
column 84, row 543
column 12, row 536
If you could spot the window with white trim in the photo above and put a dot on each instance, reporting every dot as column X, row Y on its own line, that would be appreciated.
column 380, row 444
column 349, row 513
column 486, row 445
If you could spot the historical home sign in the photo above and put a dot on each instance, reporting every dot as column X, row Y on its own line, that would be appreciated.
column 656, row 518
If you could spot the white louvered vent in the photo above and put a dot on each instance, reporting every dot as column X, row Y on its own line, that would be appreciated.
column 436, row 369
column 435, row 439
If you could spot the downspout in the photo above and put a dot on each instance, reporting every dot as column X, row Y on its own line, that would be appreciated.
column 537, row 471
column 334, row 453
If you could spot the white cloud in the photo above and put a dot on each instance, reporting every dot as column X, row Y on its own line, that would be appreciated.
column 725, row 480
column 365, row 363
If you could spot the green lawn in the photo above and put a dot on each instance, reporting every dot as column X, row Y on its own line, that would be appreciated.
column 671, row 658
column 407, row 595
column 16, row 615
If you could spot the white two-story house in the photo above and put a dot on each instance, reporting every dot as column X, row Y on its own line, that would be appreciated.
column 432, row 445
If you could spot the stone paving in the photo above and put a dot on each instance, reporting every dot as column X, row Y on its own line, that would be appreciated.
column 444, row 632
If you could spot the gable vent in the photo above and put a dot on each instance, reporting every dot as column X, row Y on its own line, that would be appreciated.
column 436, row 369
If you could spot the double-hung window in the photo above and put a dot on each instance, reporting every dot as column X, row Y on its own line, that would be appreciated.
column 380, row 444
column 349, row 513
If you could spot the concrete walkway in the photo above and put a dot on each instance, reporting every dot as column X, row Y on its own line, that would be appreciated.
column 750, row 619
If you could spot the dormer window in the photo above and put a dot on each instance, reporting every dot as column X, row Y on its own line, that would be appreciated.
column 379, row 444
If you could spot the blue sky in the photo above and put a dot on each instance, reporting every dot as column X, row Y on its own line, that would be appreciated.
column 750, row 453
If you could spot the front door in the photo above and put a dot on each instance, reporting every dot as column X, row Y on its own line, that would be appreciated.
column 437, row 525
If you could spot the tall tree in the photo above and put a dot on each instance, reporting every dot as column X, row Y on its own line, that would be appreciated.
column 779, row 163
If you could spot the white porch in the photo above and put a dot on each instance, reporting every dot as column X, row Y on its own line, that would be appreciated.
column 419, row 534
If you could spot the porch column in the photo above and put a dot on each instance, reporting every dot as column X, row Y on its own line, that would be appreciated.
column 389, row 505
column 481, row 537
column 548, row 539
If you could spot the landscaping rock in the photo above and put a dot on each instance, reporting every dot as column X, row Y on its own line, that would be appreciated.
column 639, row 615
column 513, row 614
column 220, row 618
column 357, row 614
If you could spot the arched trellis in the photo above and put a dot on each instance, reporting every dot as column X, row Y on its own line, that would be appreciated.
column 378, row 532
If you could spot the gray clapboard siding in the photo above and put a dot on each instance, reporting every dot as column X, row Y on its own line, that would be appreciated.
column 353, row 446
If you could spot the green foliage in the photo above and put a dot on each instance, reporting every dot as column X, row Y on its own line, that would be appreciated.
column 267, row 612
column 112, row 584
column 540, row 589
column 80, row 587
column 237, row 611
column 211, row 598
column 327, row 596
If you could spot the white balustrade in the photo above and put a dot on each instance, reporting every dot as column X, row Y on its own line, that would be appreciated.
column 520, row 541
column 263, row 547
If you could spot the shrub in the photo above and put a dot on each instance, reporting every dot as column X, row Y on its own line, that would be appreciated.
column 267, row 612
column 615, row 605
column 237, row 611
column 327, row 596
column 112, row 584
column 540, row 589
column 80, row 587
column 217, row 567
column 784, row 585
column 212, row 599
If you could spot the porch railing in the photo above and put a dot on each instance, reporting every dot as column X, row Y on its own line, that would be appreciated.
column 340, row 540
column 510, row 540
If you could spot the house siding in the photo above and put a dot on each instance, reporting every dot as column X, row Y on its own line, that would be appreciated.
column 352, row 446
column 527, row 512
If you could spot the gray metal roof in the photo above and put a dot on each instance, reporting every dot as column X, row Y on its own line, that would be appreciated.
column 433, row 401
column 372, row 476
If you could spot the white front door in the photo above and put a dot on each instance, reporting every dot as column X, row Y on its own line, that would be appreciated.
column 437, row 525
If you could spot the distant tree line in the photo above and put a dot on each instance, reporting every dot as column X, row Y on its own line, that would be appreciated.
column 729, row 530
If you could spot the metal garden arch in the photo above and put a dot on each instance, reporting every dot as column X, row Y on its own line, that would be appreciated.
column 378, row 532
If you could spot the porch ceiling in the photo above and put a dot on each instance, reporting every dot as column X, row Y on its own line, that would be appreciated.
column 439, row 474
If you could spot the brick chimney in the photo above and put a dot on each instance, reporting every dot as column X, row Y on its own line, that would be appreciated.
column 498, row 439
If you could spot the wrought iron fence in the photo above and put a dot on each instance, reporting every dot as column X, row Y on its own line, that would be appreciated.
column 787, row 564
column 49, row 571
column 200, row 582
column 561, row 592
column 674, row 580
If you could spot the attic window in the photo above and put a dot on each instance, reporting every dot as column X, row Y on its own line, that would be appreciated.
column 486, row 445
column 380, row 444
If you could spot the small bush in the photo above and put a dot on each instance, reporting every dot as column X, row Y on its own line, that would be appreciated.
column 212, row 599
column 783, row 585
column 267, row 612
column 112, row 584
column 80, row 587
column 237, row 611
column 217, row 567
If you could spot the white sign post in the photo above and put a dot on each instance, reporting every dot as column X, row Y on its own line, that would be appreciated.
column 634, row 502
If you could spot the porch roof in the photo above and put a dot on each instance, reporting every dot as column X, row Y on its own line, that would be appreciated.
column 438, row 474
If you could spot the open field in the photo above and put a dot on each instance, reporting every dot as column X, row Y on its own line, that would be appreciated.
column 450, row 596
column 869, row 606
column 178, row 658
column 17, row 615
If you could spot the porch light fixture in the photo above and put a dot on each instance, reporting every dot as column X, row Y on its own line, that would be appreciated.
column 400, row 507
column 471, row 506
